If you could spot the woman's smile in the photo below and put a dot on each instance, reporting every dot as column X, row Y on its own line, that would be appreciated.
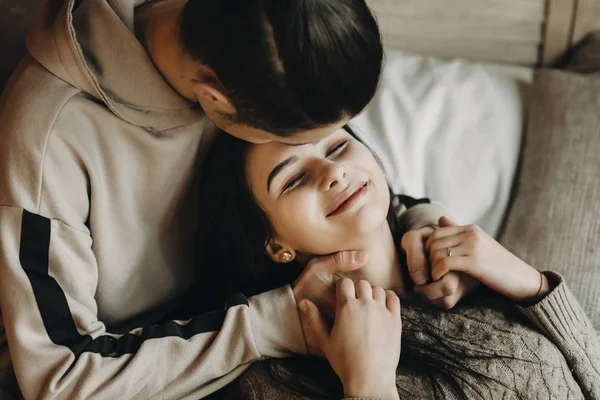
column 351, row 198
column 321, row 197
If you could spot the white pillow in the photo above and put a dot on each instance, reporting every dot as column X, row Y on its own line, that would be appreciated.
column 450, row 131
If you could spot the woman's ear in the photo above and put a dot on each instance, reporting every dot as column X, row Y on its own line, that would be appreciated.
column 278, row 252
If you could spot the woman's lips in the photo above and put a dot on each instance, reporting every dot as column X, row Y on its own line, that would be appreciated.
column 347, row 199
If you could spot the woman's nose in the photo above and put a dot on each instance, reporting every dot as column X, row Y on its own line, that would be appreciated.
column 332, row 174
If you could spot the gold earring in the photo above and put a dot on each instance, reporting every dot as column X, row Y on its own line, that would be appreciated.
column 287, row 256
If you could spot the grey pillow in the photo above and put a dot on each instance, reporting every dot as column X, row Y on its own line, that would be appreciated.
column 554, row 220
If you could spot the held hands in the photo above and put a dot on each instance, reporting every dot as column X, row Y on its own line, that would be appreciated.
column 363, row 347
column 444, row 292
column 478, row 255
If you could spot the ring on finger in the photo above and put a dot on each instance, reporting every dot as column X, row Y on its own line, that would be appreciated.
column 449, row 252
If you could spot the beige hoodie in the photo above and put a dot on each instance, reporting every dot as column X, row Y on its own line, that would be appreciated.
column 98, row 168
column 97, row 178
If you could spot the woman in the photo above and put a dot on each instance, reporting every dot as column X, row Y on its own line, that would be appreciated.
column 272, row 207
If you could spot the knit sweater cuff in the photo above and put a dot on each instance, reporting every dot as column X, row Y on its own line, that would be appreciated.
column 559, row 315
column 561, row 318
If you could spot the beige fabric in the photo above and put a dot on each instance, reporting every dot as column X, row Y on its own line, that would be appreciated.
column 98, row 176
column 413, row 217
column 554, row 221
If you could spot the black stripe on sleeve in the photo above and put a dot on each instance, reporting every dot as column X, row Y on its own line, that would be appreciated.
column 237, row 299
column 57, row 317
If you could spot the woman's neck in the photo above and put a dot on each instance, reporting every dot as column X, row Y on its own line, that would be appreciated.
column 383, row 267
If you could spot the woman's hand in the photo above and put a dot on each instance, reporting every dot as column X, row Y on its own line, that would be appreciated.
column 363, row 347
column 445, row 292
column 477, row 254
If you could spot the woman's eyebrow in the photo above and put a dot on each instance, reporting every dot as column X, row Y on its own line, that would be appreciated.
column 278, row 169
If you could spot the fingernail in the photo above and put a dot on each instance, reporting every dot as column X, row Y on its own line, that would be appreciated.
column 359, row 257
column 419, row 277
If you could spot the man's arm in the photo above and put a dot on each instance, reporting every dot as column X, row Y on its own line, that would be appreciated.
column 59, row 347
column 414, row 214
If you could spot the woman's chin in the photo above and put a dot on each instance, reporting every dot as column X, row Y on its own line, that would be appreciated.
column 366, row 222
column 352, row 233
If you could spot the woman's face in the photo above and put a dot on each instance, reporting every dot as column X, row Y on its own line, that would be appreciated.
column 322, row 197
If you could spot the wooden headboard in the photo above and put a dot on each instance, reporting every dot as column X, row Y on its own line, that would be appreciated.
column 526, row 32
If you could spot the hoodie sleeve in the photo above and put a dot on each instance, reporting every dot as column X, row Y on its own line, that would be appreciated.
column 416, row 213
column 60, row 349
column 61, row 345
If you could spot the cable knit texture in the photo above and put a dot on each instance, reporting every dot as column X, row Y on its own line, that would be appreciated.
column 547, row 351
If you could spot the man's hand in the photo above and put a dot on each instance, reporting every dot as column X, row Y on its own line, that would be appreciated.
column 363, row 347
column 316, row 283
column 447, row 290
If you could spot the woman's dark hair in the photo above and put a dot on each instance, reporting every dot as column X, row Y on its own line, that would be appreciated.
column 287, row 65
column 232, row 259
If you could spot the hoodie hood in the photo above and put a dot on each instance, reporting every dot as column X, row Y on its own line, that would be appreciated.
column 91, row 44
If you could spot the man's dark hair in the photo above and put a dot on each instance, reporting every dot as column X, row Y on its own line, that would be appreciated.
column 287, row 65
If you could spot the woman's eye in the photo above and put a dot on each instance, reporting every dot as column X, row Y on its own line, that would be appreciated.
column 337, row 149
column 294, row 182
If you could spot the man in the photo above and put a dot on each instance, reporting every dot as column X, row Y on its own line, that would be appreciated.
column 101, row 129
